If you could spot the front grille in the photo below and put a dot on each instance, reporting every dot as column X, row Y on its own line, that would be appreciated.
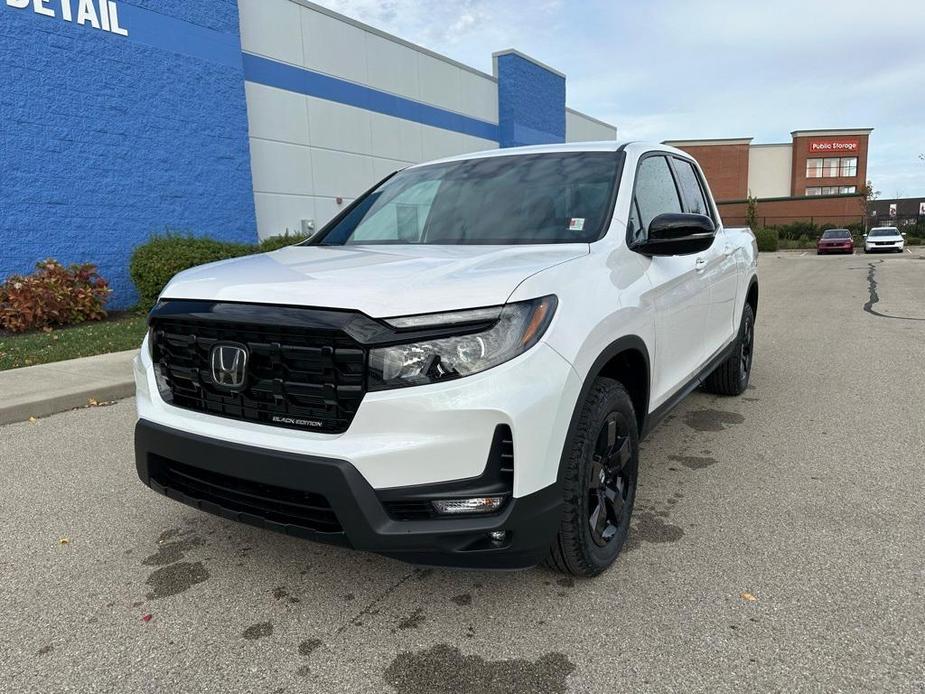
column 278, row 505
column 299, row 377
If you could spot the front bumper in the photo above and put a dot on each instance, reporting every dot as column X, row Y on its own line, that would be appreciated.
column 835, row 249
column 328, row 500
column 419, row 435
column 896, row 246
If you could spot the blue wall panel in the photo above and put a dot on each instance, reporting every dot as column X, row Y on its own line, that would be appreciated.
column 106, row 139
column 531, row 102
column 273, row 73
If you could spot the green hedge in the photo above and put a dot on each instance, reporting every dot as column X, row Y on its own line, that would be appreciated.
column 164, row 255
column 767, row 239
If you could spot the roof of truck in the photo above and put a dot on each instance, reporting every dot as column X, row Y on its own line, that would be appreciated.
column 602, row 146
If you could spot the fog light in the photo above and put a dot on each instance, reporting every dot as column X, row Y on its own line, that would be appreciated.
column 477, row 504
column 498, row 536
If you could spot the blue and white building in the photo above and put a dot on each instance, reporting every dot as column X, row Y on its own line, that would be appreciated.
column 236, row 119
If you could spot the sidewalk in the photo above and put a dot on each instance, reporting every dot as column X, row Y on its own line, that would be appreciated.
column 38, row 391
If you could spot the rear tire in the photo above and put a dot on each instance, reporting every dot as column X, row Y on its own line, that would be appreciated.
column 599, row 483
column 731, row 377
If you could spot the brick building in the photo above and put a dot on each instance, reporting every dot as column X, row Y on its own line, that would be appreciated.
column 819, row 175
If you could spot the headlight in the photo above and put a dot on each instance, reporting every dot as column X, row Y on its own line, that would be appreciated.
column 518, row 327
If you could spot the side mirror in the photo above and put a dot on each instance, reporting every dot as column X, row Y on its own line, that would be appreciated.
column 677, row 234
column 904, row 233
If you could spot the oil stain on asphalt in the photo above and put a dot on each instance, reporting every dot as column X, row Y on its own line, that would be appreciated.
column 412, row 621
column 170, row 550
column 693, row 462
column 309, row 646
column 175, row 579
column 258, row 631
column 711, row 420
column 650, row 527
column 174, row 576
column 443, row 669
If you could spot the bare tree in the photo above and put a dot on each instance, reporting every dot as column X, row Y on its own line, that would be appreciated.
column 751, row 211
column 866, row 201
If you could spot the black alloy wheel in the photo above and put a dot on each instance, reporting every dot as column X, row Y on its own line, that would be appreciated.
column 598, row 478
column 746, row 345
column 610, row 481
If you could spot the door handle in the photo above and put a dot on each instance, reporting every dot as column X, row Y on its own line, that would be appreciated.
column 727, row 250
column 700, row 264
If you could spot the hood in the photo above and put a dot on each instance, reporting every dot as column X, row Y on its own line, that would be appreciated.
column 380, row 281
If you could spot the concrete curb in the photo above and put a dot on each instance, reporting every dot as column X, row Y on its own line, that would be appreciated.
column 38, row 391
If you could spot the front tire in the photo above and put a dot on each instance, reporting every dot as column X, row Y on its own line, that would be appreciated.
column 731, row 377
column 599, row 483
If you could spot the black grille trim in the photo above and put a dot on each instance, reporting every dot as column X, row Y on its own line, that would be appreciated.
column 304, row 370
column 278, row 505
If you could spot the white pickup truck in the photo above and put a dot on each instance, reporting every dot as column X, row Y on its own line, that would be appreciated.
column 456, row 370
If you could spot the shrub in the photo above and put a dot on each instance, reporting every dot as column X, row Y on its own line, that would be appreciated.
column 52, row 295
column 795, row 230
column 767, row 239
column 155, row 262
column 163, row 256
column 274, row 243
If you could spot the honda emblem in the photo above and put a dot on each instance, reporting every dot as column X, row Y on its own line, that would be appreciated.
column 229, row 365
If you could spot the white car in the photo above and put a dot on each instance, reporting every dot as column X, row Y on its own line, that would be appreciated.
column 457, row 369
column 884, row 239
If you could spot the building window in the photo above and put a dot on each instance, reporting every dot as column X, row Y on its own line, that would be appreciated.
column 849, row 167
column 832, row 167
column 813, row 168
column 831, row 190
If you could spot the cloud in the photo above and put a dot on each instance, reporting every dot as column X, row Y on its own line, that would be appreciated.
column 670, row 69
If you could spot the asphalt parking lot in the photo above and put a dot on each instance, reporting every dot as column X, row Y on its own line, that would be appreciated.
column 778, row 545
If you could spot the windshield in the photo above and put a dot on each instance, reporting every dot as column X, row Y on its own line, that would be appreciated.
column 536, row 198
column 885, row 231
column 836, row 234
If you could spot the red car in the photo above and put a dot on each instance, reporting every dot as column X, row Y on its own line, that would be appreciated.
column 835, row 241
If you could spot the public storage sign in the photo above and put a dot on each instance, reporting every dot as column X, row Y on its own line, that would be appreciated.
column 99, row 14
column 840, row 145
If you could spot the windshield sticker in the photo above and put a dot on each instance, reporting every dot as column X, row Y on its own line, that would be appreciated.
column 576, row 224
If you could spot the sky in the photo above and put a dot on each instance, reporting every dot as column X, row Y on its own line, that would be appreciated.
column 669, row 70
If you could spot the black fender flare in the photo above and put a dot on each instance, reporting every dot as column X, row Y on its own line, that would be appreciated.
column 622, row 344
